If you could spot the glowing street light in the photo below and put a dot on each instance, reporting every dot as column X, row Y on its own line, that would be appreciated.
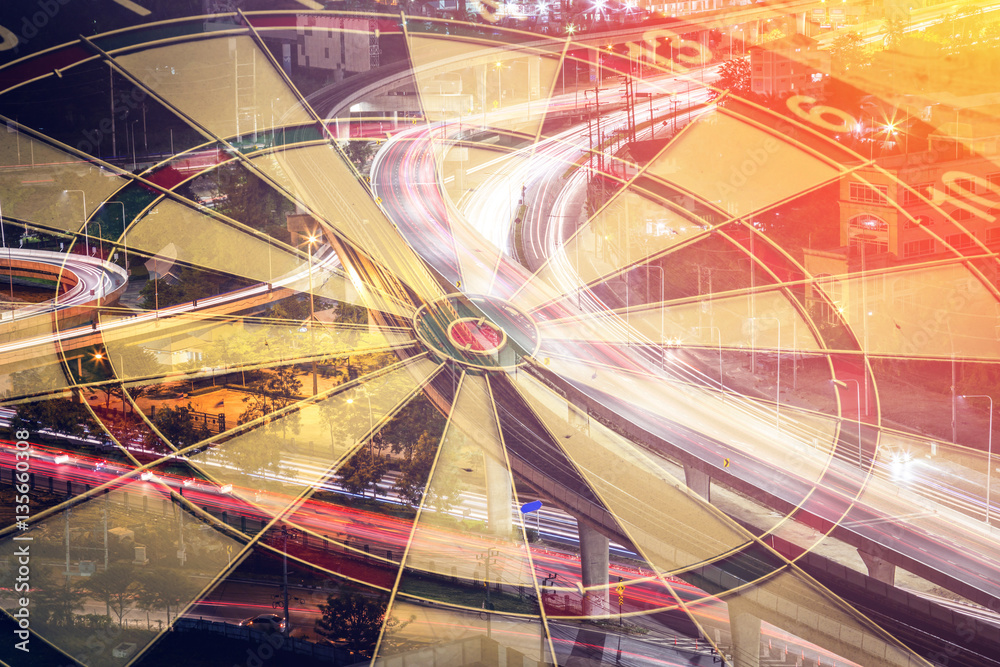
column 124, row 237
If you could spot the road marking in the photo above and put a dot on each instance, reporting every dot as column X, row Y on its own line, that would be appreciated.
column 131, row 6
column 311, row 4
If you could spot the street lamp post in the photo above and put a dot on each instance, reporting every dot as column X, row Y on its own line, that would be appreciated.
column 714, row 329
column 989, row 452
column 124, row 238
column 488, row 559
column 312, row 315
column 86, row 232
column 777, row 390
column 857, row 393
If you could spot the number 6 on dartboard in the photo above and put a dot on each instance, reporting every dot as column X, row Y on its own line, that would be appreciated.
column 817, row 114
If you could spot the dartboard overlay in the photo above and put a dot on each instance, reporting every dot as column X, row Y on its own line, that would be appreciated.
column 499, row 335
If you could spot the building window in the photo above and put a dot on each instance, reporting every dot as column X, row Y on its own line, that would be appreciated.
column 960, row 214
column 918, row 221
column 993, row 235
column 918, row 248
column 962, row 187
column 958, row 241
column 912, row 195
column 869, row 194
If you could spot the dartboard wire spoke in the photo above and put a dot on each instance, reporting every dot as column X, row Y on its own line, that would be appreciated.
column 413, row 526
column 528, row 552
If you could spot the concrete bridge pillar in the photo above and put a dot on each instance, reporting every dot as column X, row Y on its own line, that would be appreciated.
column 744, row 629
column 699, row 482
column 594, row 568
column 878, row 568
column 594, row 60
column 498, row 498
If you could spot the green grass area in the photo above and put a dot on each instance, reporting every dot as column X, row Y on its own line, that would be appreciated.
column 36, row 282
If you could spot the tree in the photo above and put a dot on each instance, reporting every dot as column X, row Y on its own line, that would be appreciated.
column 177, row 425
column 362, row 471
column 734, row 75
column 848, row 52
column 159, row 589
column 57, row 598
column 354, row 620
column 190, row 284
column 252, row 201
column 416, row 470
column 116, row 587
column 61, row 415
column 132, row 362
column 276, row 392
column 415, row 419
column 347, row 313
column 359, row 152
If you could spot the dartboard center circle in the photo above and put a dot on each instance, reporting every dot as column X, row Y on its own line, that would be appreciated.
column 476, row 331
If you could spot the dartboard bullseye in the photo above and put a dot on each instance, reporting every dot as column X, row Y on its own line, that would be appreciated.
column 477, row 331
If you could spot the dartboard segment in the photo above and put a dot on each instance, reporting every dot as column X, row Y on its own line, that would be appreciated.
column 483, row 185
column 318, row 177
column 935, row 310
column 502, row 86
column 224, row 84
column 471, row 468
column 739, row 165
column 265, row 457
column 49, row 186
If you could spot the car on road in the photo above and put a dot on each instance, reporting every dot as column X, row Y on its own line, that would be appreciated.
column 264, row 623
